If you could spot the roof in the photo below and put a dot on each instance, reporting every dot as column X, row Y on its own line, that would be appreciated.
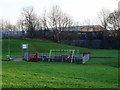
column 90, row 26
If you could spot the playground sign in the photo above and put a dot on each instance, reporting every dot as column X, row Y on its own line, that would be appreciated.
column 24, row 46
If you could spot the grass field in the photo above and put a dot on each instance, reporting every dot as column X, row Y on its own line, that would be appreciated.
column 96, row 73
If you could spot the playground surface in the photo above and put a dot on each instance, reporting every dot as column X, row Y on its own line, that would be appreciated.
column 18, row 60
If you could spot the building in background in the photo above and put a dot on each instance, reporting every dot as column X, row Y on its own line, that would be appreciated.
column 91, row 28
column 13, row 34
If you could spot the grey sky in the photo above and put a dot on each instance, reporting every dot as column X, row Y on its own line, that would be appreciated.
column 79, row 10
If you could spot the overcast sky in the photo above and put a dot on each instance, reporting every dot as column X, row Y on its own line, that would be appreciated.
column 79, row 10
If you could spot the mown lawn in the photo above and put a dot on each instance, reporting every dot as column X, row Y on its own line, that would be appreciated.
column 58, row 75
column 96, row 73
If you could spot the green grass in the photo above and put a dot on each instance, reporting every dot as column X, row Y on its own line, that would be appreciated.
column 58, row 75
column 96, row 73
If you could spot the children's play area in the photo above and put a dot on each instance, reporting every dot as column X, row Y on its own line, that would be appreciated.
column 54, row 55
column 70, row 56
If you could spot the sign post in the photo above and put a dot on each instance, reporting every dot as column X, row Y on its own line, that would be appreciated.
column 24, row 47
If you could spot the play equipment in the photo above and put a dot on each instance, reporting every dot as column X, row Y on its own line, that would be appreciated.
column 61, row 55
column 70, row 56
column 30, row 57
column 33, row 57
column 86, row 57
column 44, row 57
column 26, row 56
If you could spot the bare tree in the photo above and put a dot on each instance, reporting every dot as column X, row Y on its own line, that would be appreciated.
column 59, row 21
column 44, row 21
column 110, row 20
column 114, row 20
column 2, row 25
column 67, row 22
column 20, row 25
column 54, row 17
column 114, row 25
column 42, row 25
column 103, row 15
column 5, row 25
column 30, row 20
column 8, row 26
